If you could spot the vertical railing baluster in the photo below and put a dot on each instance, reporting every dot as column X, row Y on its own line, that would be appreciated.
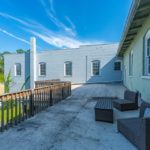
column 43, row 99
column 20, row 114
column 7, row 113
column 40, row 99
column 12, row 114
column 26, row 105
column 32, row 102
column 23, row 107
column 37, row 101
column 51, row 101
column 2, row 116
column 16, row 109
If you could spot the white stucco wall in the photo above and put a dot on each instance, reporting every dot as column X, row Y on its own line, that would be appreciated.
column 10, row 60
column 137, row 82
column 54, row 59
column 55, row 64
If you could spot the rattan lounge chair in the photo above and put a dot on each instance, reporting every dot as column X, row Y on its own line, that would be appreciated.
column 137, row 130
column 130, row 101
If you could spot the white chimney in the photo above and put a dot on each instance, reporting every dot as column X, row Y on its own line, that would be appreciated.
column 32, row 62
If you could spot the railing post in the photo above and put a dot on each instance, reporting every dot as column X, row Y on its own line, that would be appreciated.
column 16, row 109
column 70, row 89
column 63, row 92
column 11, row 109
column 51, row 98
column 32, row 103
column 2, row 116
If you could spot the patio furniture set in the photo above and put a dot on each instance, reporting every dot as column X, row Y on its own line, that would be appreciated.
column 136, row 130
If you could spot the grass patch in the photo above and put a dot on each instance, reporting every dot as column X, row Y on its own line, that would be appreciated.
column 1, row 78
column 12, row 114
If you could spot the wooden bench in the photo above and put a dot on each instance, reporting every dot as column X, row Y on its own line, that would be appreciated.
column 104, row 110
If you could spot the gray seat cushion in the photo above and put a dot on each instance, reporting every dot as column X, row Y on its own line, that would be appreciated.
column 130, row 95
column 123, row 101
column 129, row 128
column 147, row 113
column 144, row 105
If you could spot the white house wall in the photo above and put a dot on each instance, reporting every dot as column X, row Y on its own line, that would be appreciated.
column 137, row 81
column 55, row 64
column 81, row 72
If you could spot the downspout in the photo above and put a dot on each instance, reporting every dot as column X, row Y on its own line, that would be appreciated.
column 86, row 69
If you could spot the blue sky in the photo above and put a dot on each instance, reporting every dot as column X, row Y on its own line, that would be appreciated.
column 61, row 24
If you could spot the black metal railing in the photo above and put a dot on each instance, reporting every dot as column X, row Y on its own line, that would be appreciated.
column 16, row 107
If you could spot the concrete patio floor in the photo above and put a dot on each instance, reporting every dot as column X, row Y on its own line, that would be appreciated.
column 70, row 125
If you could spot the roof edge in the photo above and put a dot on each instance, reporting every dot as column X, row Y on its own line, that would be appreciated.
column 135, row 4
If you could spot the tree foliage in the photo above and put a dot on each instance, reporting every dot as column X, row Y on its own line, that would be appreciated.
column 20, row 51
column 7, row 82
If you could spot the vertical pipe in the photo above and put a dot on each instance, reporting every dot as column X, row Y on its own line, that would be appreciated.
column 32, row 62
column 86, row 69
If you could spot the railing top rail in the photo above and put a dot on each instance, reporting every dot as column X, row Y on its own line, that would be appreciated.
column 14, row 93
column 49, row 81
column 57, row 85
column 51, row 86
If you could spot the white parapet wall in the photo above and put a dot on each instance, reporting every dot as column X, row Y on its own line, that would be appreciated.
column 81, row 59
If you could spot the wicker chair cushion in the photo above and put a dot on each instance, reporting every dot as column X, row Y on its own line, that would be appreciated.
column 147, row 113
column 132, row 96
column 144, row 105
column 129, row 127
column 123, row 101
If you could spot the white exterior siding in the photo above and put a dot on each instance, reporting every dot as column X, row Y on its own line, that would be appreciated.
column 81, row 59
column 137, row 82
column 10, row 61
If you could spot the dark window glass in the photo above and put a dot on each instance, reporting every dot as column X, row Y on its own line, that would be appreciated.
column 18, row 69
column 42, row 69
column 117, row 66
column 148, row 55
column 95, row 67
column 68, row 68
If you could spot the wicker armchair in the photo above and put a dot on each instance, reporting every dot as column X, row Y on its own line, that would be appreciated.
column 137, row 130
column 130, row 101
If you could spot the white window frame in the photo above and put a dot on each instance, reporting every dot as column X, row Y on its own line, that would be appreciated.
column 65, row 73
column 15, row 69
column 40, row 74
column 120, row 65
column 131, row 56
column 146, row 56
column 92, row 74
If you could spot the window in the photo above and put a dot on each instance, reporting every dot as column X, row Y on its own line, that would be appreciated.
column 117, row 65
column 68, row 68
column 95, row 67
column 42, row 69
column 17, row 69
column 131, row 63
column 146, row 64
column 148, row 57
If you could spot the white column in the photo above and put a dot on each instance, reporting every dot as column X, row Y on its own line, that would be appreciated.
column 32, row 62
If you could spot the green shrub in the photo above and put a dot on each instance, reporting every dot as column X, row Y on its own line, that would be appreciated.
column 1, row 77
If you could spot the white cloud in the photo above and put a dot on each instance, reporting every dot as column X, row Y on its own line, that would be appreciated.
column 14, row 18
column 60, row 41
column 70, row 22
column 14, row 36
column 65, row 38
column 52, row 16
column 52, row 6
